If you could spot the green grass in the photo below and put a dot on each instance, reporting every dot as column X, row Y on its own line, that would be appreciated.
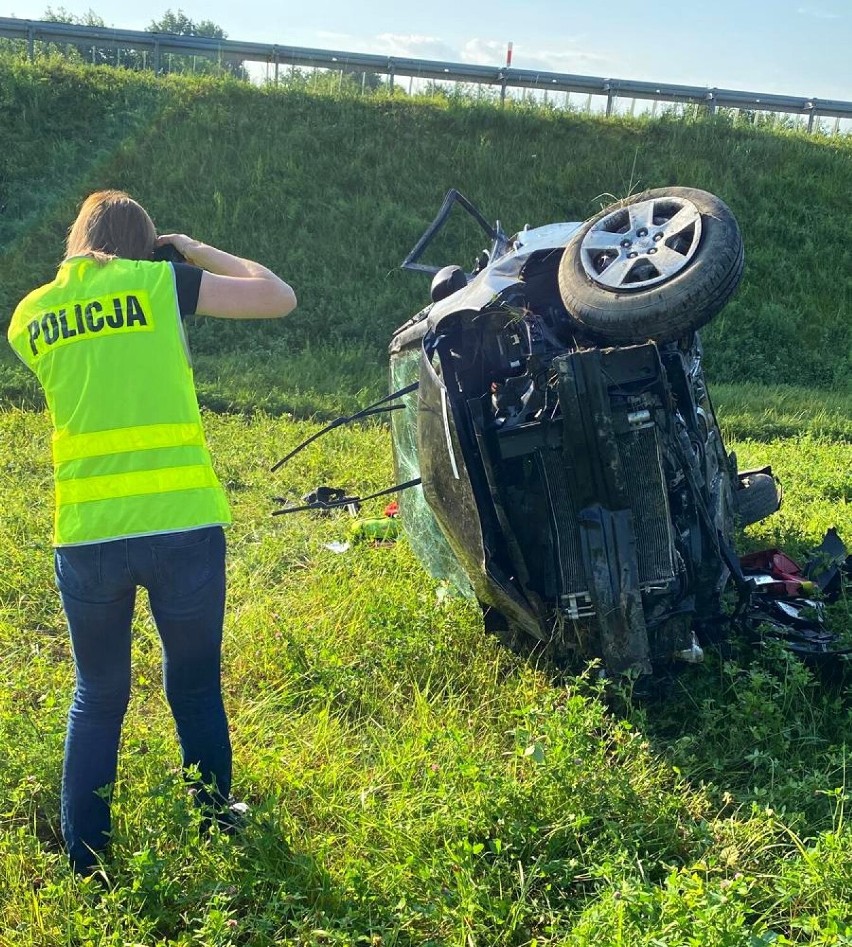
column 411, row 782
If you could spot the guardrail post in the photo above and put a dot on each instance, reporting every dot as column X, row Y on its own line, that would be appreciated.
column 811, row 107
column 711, row 102
column 610, row 98
column 31, row 43
column 156, row 57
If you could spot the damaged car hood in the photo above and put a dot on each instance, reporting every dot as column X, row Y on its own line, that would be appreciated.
column 504, row 272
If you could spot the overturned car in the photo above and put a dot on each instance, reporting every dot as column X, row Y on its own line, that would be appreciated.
column 573, row 476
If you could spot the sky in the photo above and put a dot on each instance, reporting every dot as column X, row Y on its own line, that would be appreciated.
column 801, row 48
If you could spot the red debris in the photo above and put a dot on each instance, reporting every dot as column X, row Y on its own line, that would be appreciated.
column 775, row 573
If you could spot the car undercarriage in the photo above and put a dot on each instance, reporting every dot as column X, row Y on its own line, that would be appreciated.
column 578, row 482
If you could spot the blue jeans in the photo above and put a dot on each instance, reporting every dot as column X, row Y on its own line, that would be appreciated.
column 184, row 574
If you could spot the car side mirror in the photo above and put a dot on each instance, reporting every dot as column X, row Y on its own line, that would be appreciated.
column 447, row 281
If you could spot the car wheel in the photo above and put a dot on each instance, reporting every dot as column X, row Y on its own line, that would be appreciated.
column 655, row 266
column 756, row 498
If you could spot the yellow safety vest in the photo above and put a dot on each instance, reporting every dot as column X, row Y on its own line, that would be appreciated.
column 129, row 453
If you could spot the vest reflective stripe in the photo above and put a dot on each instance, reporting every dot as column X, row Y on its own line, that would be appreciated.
column 144, row 437
column 138, row 483
column 110, row 465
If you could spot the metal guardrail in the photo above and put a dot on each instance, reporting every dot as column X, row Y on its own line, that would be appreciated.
column 160, row 44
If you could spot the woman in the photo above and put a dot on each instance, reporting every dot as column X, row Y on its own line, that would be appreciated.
column 137, row 501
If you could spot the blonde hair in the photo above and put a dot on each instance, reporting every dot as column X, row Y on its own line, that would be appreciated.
column 111, row 224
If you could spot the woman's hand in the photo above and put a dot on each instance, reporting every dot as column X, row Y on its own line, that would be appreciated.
column 182, row 243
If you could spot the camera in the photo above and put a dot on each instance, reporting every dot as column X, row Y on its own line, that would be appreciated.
column 167, row 253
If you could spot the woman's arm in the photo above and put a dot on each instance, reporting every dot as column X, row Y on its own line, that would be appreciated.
column 231, row 287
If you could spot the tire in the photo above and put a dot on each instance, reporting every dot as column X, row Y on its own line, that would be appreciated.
column 655, row 266
column 757, row 498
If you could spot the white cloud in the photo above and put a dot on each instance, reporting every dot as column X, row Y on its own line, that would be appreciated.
column 569, row 60
column 404, row 45
column 818, row 13
column 414, row 46
column 478, row 51
column 489, row 52
column 484, row 52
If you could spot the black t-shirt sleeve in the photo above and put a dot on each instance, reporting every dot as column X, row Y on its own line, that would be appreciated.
column 187, row 283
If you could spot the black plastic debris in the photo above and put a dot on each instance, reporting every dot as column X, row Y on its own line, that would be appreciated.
column 799, row 623
column 323, row 500
column 828, row 564
column 326, row 499
column 787, row 602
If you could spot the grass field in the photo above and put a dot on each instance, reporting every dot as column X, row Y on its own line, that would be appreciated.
column 411, row 782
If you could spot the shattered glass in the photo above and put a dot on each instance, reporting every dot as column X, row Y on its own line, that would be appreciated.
column 422, row 529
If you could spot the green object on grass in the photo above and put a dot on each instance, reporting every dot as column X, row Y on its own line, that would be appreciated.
column 381, row 529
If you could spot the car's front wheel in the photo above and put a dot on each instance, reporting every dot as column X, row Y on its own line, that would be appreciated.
column 757, row 497
column 655, row 266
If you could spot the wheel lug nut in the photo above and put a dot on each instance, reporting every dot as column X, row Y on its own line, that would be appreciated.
column 626, row 243
column 632, row 255
column 652, row 250
column 642, row 233
column 658, row 236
